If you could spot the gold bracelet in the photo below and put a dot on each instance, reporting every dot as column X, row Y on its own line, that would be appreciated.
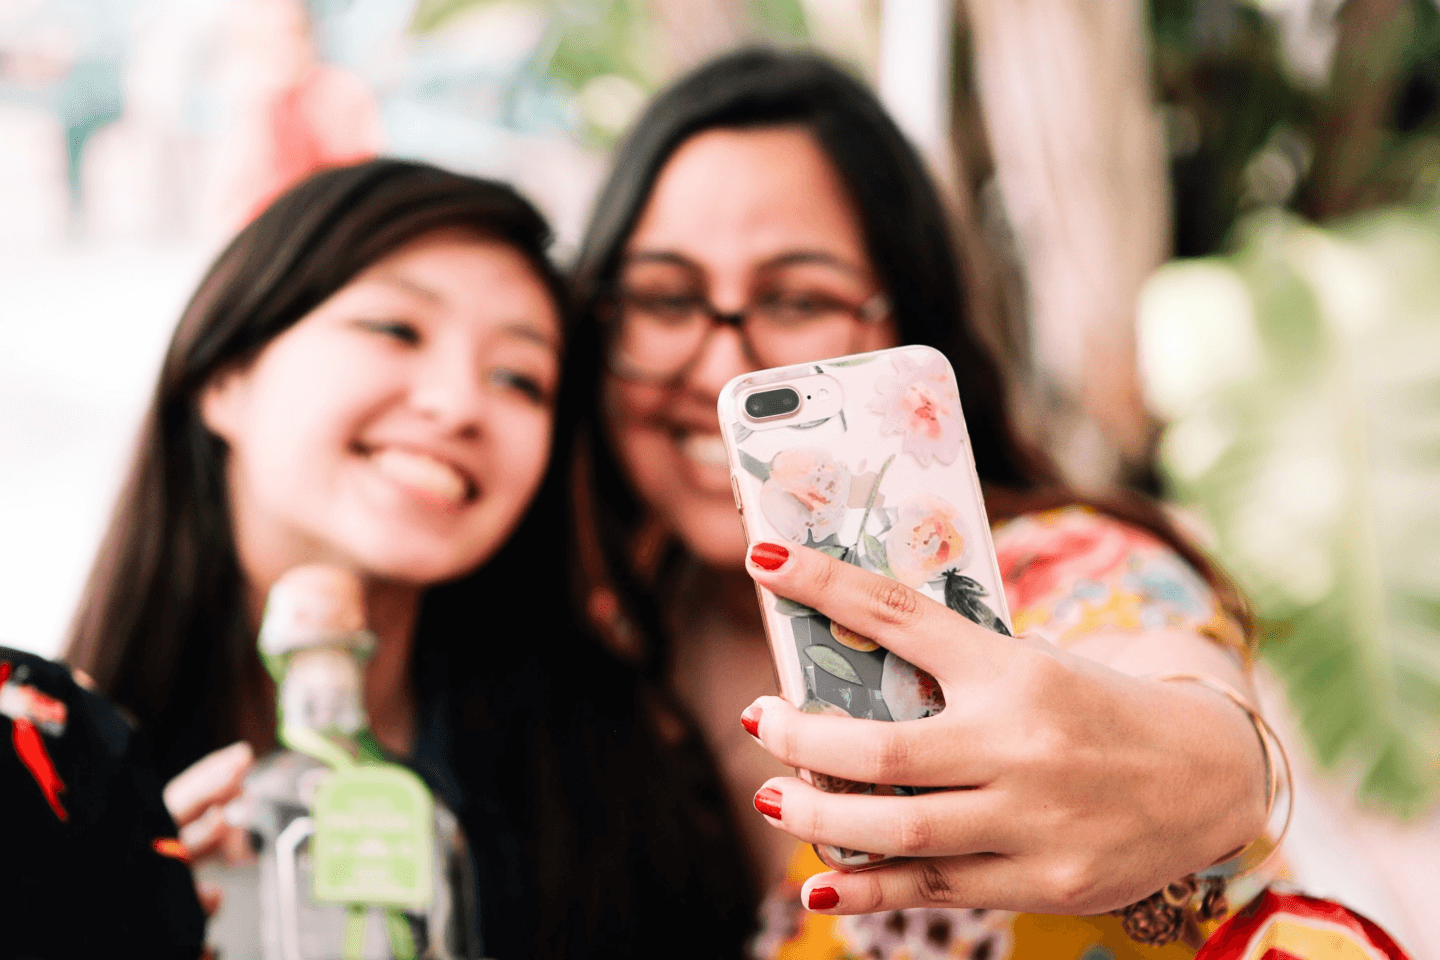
column 1177, row 911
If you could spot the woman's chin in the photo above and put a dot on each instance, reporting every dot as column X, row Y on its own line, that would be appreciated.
column 714, row 536
column 420, row 564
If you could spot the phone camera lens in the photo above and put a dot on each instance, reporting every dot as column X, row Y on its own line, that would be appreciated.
column 767, row 404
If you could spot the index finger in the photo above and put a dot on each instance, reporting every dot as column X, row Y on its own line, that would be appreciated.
column 900, row 619
column 213, row 779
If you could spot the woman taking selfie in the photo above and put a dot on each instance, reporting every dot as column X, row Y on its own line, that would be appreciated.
column 370, row 376
column 765, row 211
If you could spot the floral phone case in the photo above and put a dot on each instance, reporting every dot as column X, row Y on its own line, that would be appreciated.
column 884, row 479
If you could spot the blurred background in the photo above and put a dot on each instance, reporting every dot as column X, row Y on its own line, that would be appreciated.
column 1203, row 235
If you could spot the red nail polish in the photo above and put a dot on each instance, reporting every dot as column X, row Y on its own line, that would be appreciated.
column 750, row 720
column 822, row 898
column 767, row 801
column 769, row 556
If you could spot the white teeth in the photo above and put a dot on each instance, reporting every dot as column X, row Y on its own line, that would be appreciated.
column 704, row 448
column 422, row 473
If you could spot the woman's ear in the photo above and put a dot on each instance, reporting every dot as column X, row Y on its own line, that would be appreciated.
column 222, row 400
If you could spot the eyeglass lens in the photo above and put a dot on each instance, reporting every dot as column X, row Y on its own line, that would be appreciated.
column 664, row 318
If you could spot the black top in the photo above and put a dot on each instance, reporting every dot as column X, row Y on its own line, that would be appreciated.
column 87, row 869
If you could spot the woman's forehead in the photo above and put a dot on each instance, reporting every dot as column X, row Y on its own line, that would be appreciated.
column 474, row 275
column 753, row 194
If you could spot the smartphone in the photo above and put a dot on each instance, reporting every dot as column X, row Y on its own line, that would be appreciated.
column 867, row 459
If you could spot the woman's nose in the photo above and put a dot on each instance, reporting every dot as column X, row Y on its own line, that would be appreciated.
column 723, row 356
column 450, row 390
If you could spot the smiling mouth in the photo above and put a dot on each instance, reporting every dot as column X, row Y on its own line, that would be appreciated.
column 428, row 476
column 706, row 449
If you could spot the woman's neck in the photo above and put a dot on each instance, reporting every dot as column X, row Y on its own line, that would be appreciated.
column 720, row 662
column 393, row 610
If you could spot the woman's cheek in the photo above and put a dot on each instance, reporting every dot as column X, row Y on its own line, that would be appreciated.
column 523, row 454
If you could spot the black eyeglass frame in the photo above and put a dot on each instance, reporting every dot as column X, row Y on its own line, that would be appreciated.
column 874, row 309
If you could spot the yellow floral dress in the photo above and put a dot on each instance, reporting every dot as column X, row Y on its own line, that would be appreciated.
column 1069, row 573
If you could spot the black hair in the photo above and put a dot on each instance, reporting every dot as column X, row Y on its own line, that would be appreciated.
column 162, row 625
column 585, row 842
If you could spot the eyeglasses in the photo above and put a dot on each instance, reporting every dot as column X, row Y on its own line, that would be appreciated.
column 658, row 336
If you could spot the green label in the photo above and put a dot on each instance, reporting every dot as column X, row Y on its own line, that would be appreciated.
column 372, row 840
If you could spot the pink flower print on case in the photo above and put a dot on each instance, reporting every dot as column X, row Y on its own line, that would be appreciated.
column 927, row 540
column 909, row 692
column 928, row 546
column 920, row 401
column 806, row 493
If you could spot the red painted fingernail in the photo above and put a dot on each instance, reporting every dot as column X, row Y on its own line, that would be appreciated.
column 767, row 801
column 769, row 556
column 750, row 720
column 172, row 848
column 822, row 898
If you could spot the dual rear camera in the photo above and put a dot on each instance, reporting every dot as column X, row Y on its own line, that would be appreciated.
column 768, row 404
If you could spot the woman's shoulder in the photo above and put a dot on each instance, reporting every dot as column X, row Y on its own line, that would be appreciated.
column 1074, row 570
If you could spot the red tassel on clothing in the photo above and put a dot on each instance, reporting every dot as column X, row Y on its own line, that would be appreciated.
column 30, row 748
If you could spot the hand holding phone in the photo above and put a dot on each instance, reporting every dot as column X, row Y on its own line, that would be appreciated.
column 865, row 459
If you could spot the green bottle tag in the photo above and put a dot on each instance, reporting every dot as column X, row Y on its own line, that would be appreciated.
column 372, row 842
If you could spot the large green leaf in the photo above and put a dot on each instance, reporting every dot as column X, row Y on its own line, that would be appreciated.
column 1301, row 377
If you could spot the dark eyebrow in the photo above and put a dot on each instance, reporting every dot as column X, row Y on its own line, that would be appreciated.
column 411, row 286
column 519, row 329
column 798, row 257
column 525, row 330
column 660, row 256
column 788, row 259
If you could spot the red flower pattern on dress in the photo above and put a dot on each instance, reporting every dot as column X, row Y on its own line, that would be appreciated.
column 1038, row 556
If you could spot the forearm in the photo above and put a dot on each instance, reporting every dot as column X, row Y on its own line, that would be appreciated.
column 1162, row 653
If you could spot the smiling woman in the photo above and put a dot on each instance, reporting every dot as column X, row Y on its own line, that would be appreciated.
column 365, row 377
column 765, row 211
column 369, row 376
column 428, row 382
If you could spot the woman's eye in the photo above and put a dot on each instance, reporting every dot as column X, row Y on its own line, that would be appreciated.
column 523, row 383
column 797, row 306
column 400, row 330
column 668, row 306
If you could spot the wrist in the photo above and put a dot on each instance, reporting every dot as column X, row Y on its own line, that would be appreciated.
column 1176, row 911
column 1237, row 771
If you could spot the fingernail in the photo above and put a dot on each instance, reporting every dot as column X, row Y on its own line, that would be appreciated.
column 750, row 720
column 767, row 801
column 769, row 556
column 170, row 847
column 822, row 898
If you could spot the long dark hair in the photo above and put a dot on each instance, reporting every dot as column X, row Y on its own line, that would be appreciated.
column 585, row 844
column 911, row 247
column 162, row 625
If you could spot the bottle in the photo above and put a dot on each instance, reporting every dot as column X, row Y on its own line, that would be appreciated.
column 357, row 860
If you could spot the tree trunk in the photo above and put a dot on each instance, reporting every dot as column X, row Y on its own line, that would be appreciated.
column 1080, row 161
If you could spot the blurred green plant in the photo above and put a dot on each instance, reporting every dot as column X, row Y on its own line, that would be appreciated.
column 1300, row 376
column 1259, row 114
column 1299, row 369
column 611, row 55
